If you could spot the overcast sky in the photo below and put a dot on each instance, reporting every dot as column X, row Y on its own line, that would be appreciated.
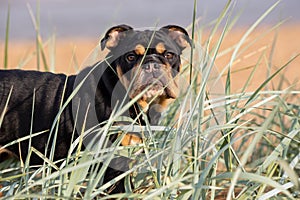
column 90, row 18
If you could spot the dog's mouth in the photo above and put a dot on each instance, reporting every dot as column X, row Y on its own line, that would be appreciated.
column 151, row 93
column 153, row 90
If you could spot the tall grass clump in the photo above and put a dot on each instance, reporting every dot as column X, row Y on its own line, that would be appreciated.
column 211, row 143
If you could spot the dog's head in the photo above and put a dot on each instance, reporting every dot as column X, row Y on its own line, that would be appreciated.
column 147, row 61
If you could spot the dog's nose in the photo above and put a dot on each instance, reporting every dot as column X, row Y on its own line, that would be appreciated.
column 151, row 67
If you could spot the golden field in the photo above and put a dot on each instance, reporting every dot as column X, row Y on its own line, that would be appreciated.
column 68, row 54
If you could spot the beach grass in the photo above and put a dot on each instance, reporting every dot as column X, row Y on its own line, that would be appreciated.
column 213, row 142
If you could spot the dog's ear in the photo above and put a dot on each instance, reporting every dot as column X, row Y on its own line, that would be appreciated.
column 179, row 35
column 114, row 35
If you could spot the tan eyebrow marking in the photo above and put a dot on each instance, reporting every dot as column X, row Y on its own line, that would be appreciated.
column 160, row 48
column 140, row 49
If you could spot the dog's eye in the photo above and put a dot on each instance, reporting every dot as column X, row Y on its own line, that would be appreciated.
column 131, row 57
column 169, row 55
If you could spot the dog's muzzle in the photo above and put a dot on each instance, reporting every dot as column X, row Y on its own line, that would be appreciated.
column 154, row 77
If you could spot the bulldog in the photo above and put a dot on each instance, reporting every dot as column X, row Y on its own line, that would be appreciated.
column 141, row 65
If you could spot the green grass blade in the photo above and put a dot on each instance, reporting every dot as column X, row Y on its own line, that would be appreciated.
column 252, row 98
column 5, row 109
column 193, row 39
column 40, row 52
column 52, row 48
column 259, row 179
column 5, row 65
column 277, row 151
column 249, row 31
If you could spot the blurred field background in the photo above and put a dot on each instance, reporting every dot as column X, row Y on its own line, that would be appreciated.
column 70, row 30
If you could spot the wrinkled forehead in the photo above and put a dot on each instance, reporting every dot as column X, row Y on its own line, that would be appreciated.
column 148, row 40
